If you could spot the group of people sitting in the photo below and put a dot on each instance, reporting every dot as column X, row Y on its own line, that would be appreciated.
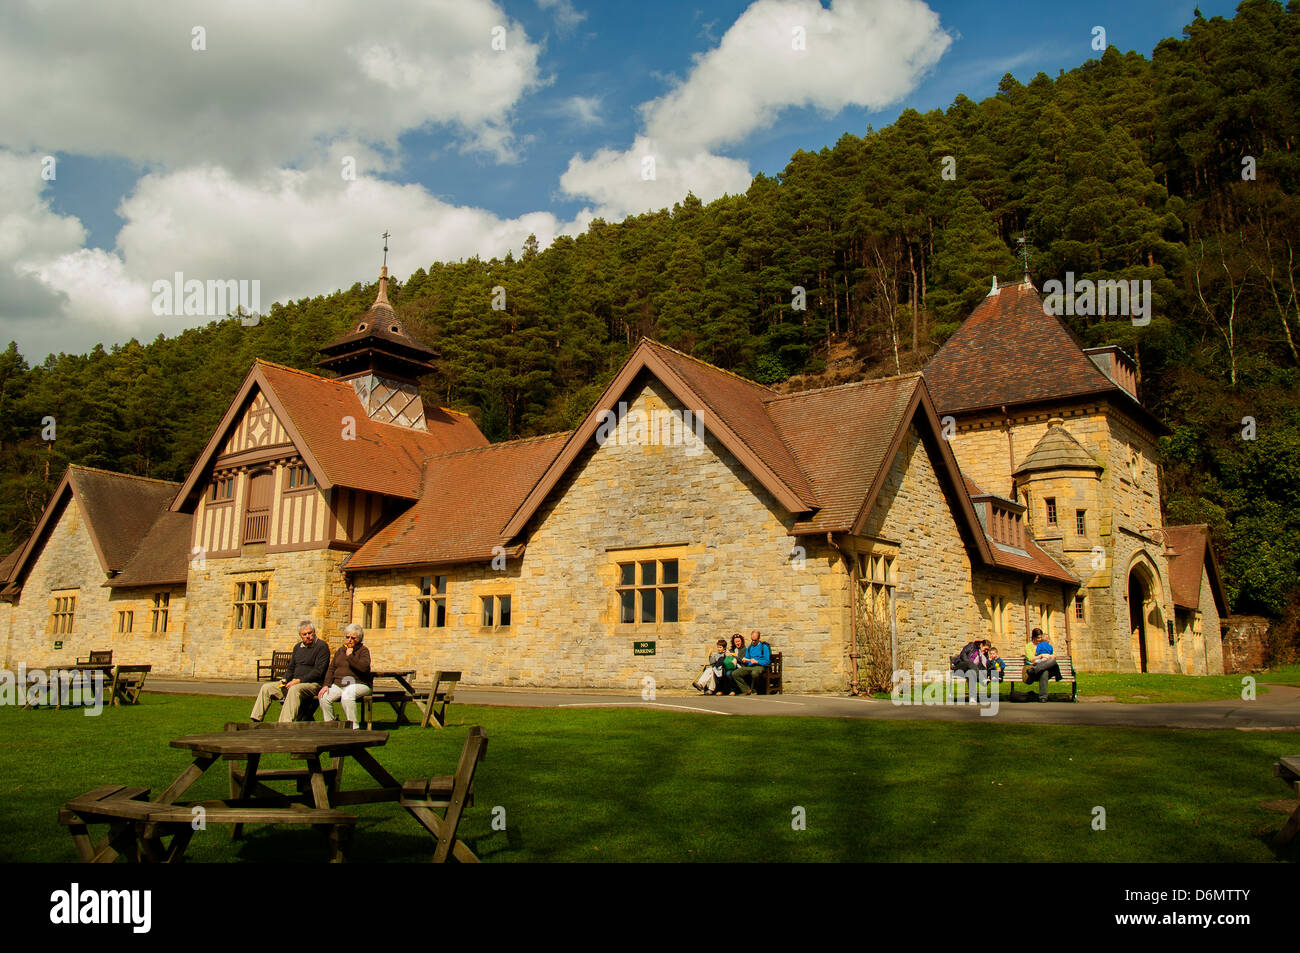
column 982, row 658
column 733, row 668
column 312, row 673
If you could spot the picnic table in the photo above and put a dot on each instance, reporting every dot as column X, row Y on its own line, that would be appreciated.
column 139, row 824
column 400, row 692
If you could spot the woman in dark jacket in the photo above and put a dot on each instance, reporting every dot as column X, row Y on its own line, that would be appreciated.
column 348, row 677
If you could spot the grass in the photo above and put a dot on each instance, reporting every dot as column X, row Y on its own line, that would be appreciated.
column 636, row 785
column 1149, row 688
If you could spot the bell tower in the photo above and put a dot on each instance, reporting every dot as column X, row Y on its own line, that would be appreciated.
column 382, row 362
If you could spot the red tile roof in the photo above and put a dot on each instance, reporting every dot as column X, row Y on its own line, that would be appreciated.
column 469, row 496
column 1010, row 352
column 1189, row 550
column 840, row 437
column 163, row 556
column 118, row 508
column 381, row 458
column 1033, row 560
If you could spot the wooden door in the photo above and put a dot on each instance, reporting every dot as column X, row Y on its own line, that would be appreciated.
column 257, row 516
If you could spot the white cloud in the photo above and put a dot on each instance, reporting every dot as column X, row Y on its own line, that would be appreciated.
column 275, row 85
column 298, row 232
column 865, row 53
column 616, row 181
column 566, row 16
column 584, row 110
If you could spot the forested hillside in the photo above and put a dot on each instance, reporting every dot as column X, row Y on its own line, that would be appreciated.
column 1180, row 168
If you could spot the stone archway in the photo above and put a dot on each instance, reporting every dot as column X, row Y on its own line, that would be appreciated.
column 1146, row 618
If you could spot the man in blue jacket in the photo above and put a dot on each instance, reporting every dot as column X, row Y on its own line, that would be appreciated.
column 758, row 656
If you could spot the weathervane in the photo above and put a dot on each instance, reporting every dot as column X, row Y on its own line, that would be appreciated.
column 1024, row 254
column 385, row 237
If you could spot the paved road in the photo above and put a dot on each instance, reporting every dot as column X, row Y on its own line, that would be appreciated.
column 1276, row 710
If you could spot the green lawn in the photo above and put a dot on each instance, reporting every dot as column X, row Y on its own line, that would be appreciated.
column 1148, row 688
column 634, row 785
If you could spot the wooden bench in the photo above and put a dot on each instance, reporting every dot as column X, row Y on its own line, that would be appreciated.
column 97, row 658
column 178, row 820
column 127, row 684
column 769, row 683
column 1288, row 769
column 113, row 804
column 423, row 797
column 441, row 693
column 274, row 668
column 1015, row 672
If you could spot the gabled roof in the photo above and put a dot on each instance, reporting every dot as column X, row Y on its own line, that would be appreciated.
column 162, row 558
column 1032, row 560
column 1010, row 352
column 470, row 494
column 1188, row 550
column 118, row 509
column 730, row 407
column 10, row 560
column 1058, row 450
column 380, row 458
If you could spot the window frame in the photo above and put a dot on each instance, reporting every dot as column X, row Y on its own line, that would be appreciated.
column 370, row 608
column 1081, row 522
column 639, row 587
column 433, row 601
column 160, row 609
column 249, row 596
column 1052, row 514
column 493, row 607
column 63, row 611
column 127, row 616
column 298, row 478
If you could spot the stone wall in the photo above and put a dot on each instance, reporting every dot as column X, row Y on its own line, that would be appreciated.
column 622, row 502
column 303, row 585
column 937, row 610
column 67, row 565
column 1245, row 644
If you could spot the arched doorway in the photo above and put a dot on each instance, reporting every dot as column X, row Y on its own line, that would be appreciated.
column 1145, row 617
column 1137, row 599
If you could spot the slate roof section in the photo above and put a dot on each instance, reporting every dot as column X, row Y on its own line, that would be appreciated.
column 1188, row 550
column 1058, row 450
column 840, row 437
column 1010, row 352
column 10, row 560
column 470, row 496
column 163, row 556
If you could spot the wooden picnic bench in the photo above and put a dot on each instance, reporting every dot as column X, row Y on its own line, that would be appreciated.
column 138, row 826
column 424, row 797
column 127, row 684
column 1288, row 769
column 395, row 688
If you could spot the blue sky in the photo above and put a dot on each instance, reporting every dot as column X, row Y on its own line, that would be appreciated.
column 223, row 161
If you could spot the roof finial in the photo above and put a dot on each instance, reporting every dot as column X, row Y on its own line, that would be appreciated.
column 994, row 289
column 382, row 297
column 1024, row 258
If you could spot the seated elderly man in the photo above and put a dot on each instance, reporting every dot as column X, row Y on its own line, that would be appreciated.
column 348, row 677
column 302, row 680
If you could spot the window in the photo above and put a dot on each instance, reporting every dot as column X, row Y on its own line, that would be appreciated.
column 1000, row 616
column 250, row 604
column 222, row 489
column 298, row 478
column 158, row 614
column 125, row 620
column 495, row 612
column 1051, row 510
column 1081, row 522
column 63, row 612
column 374, row 614
column 647, row 591
column 1078, row 608
column 433, row 602
column 1045, row 619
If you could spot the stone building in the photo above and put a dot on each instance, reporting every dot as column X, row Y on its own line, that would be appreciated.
column 1060, row 429
column 690, row 503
